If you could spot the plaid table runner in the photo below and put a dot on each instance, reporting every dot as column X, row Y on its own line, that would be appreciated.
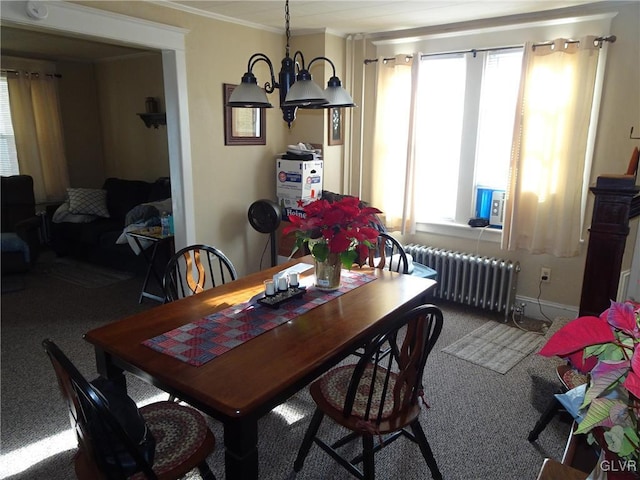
column 201, row 341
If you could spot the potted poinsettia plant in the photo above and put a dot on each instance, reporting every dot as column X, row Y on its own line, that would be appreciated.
column 607, row 348
column 338, row 234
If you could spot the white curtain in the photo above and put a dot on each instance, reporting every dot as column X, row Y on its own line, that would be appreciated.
column 393, row 162
column 37, row 125
column 543, row 210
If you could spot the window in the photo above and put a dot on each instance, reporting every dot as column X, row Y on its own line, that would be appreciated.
column 8, row 155
column 465, row 127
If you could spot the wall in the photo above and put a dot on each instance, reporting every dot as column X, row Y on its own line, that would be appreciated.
column 620, row 109
column 311, row 125
column 131, row 150
column 103, row 136
column 81, row 124
column 226, row 179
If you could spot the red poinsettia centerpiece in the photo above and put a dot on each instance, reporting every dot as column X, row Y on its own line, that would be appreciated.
column 343, row 228
column 606, row 347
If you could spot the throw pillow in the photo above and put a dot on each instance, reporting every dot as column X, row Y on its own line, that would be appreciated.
column 62, row 214
column 88, row 201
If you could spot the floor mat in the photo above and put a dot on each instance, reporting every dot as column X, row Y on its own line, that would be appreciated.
column 495, row 346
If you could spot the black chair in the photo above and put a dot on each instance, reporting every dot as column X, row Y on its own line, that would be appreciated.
column 116, row 440
column 378, row 396
column 389, row 254
column 20, row 224
column 570, row 378
column 195, row 269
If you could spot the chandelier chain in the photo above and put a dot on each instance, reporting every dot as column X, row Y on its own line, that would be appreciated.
column 286, row 18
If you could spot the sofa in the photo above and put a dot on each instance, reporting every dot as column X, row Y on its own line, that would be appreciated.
column 90, row 222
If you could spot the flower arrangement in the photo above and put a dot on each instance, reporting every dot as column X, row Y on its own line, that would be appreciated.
column 342, row 228
column 607, row 348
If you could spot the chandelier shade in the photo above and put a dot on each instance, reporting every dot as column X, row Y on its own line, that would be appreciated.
column 249, row 95
column 304, row 92
column 296, row 91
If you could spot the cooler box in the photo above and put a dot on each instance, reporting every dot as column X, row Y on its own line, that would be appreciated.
column 298, row 182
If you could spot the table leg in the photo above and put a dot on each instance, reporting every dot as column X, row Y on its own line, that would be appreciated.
column 241, row 448
column 108, row 370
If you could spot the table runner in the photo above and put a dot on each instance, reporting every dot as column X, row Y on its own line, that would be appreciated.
column 203, row 340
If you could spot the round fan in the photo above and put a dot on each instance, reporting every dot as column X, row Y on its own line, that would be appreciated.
column 264, row 216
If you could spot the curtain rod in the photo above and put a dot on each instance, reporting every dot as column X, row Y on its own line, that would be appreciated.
column 597, row 41
column 17, row 72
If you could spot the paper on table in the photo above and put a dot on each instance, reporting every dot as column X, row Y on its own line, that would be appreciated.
column 297, row 268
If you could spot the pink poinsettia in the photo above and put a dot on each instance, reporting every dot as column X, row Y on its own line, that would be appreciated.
column 607, row 348
column 343, row 228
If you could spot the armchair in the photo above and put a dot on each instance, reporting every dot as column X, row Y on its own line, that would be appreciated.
column 20, row 224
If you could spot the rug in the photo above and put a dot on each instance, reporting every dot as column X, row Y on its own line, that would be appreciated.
column 85, row 274
column 495, row 346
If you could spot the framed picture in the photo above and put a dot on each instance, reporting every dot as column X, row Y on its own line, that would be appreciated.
column 336, row 128
column 243, row 126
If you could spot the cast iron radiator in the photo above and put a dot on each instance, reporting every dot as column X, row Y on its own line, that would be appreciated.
column 487, row 283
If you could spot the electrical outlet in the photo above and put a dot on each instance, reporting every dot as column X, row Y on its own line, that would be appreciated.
column 545, row 274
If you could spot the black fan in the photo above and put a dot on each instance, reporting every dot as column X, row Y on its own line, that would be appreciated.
column 264, row 216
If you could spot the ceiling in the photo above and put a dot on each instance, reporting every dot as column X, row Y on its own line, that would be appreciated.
column 19, row 42
column 338, row 17
column 366, row 16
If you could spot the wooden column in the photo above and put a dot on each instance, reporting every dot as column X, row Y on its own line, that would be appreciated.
column 607, row 238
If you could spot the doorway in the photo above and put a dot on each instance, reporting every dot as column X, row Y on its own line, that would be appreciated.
column 101, row 26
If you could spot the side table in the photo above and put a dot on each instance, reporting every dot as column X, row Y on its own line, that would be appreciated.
column 153, row 235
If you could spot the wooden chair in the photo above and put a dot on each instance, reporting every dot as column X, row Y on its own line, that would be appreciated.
column 162, row 440
column 194, row 269
column 389, row 254
column 378, row 396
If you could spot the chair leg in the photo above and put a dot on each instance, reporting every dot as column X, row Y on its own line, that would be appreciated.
column 312, row 430
column 425, row 448
column 368, row 463
column 552, row 409
column 205, row 472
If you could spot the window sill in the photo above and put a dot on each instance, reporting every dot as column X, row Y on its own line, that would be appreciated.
column 486, row 234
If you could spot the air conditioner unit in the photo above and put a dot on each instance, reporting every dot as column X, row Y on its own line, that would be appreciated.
column 496, row 218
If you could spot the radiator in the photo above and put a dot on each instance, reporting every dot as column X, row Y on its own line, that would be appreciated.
column 483, row 282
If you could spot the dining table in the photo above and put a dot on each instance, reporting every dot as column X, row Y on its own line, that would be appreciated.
column 243, row 383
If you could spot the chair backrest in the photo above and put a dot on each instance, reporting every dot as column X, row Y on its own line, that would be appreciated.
column 194, row 269
column 391, row 385
column 102, row 424
column 389, row 254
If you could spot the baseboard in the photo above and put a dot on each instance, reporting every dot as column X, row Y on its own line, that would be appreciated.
column 543, row 310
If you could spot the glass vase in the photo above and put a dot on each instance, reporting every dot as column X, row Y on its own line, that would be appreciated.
column 328, row 273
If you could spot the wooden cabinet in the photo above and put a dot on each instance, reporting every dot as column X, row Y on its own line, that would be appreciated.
column 614, row 205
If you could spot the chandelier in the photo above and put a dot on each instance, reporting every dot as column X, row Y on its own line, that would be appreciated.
column 296, row 90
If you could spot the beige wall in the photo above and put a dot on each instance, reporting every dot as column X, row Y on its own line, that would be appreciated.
column 81, row 124
column 620, row 109
column 131, row 150
column 228, row 179
column 311, row 126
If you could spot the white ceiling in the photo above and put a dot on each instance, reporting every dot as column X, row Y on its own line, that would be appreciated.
column 338, row 17
column 365, row 16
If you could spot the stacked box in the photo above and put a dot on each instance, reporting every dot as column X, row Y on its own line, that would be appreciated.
column 298, row 182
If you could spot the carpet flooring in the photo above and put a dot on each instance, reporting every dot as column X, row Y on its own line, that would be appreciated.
column 83, row 274
column 477, row 423
column 496, row 346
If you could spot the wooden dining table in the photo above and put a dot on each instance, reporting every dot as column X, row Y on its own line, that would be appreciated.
column 248, row 381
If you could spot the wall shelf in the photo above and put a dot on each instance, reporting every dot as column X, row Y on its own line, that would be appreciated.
column 153, row 119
